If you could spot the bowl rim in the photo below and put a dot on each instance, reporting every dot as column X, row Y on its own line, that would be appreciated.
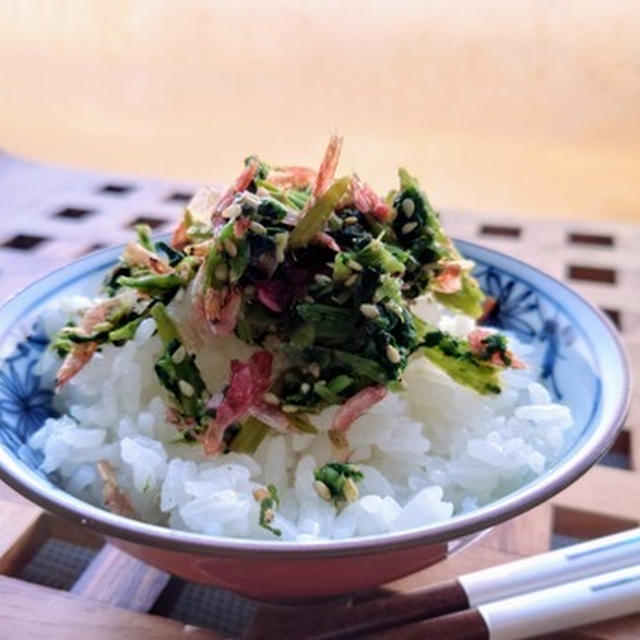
column 157, row 536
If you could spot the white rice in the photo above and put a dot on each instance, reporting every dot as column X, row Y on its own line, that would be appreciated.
column 427, row 453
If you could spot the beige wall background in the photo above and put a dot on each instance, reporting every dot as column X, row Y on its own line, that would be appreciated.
column 499, row 105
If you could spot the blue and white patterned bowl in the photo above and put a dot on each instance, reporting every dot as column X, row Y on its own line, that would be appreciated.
column 583, row 364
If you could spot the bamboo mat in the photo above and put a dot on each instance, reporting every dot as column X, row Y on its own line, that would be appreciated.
column 58, row 582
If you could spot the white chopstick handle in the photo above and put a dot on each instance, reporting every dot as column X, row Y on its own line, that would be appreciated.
column 609, row 595
column 555, row 567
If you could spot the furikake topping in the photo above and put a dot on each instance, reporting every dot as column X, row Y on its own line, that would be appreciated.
column 336, row 482
column 269, row 502
column 317, row 271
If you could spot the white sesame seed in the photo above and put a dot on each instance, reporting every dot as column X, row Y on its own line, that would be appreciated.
column 232, row 211
column 351, row 280
column 309, row 299
column 268, row 515
column 369, row 311
column 289, row 408
column 230, row 248
column 314, row 369
column 222, row 272
column 320, row 278
column 350, row 220
column 271, row 398
column 179, row 354
column 393, row 354
column 249, row 199
column 408, row 227
column 394, row 307
column 350, row 490
column 408, row 207
column 185, row 388
column 322, row 490
column 256, row 227
column 354, row 266
column 305, row 387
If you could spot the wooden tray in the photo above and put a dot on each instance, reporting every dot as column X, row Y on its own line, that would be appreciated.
column 103, row 593
column 115, row 596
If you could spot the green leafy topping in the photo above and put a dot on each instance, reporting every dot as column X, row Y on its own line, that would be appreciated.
column 314, row 220
column 385, row 258
column 454, row 357
column 174, row 256
column 302, row 425
column 227, row 260
column 248, row 438
column 126, row 332
column 336, row 482
column 331, row 391
column 419, row 231
column 303, row 336
column 323, row 281
column 268, row 506
column 468, row 299
column 152, row 283
column 331, row 324
column 123, row 316
column 324, row 314
column 177, row 371
column 296, row 198
column 164, row 324
column 322, row 390
column 61, row 343
column 271, row 209
column 144, row 236
column 363, row 367
column 263, row 167
column 496, row 343
column 340, row 383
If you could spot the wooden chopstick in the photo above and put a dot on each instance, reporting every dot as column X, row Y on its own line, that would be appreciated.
column 592, row 599
column 463, row 596
column 352, row 620
column 385, row 611
column 464, row 625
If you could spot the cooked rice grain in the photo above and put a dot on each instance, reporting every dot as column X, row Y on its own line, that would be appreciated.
column 426, row 453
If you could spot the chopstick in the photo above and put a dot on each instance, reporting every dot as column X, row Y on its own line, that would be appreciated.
column 609, row 595
column 474, row 595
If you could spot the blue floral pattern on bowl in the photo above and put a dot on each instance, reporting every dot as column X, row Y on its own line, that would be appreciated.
column 25, row 403
column 518, row 308
column 579, row 355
